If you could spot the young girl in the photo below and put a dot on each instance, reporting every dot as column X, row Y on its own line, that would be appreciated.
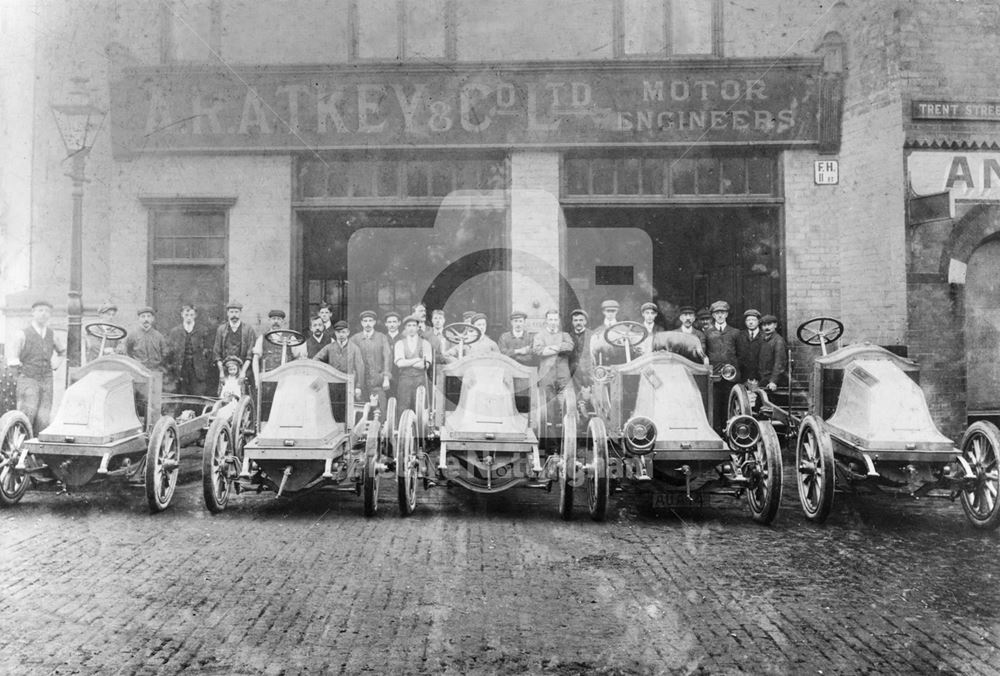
column 231, row 388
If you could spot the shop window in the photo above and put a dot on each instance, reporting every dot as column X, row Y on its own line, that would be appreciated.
column 321, row 178
column 832, row 48
column 188, row 245
column 669, row 177
column 656, row 28
column 402, row 29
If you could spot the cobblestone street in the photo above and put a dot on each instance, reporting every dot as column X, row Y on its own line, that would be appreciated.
column 93, row 584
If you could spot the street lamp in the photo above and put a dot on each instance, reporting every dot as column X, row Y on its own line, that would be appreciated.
column 78, row 121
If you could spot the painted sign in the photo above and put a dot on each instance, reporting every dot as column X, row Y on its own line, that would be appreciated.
column 965, row 175
column 826, row 172
column 190, row 108
column 955, row 110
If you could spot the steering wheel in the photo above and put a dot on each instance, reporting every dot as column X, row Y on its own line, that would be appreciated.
column 461, row 334
column 106, row 331
column 284, row 338
column 621, row 333
column 820, row 331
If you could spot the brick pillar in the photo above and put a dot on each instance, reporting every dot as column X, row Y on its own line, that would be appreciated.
column 535, row 233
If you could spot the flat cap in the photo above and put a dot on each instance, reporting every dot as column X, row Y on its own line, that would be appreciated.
column 609, row 305
column 234, row 305
column 411, row 319
column 579, row 311
column 649, row 306
column 686, row 310
column 752, row 313
column 368, row 313
column 276, row 313
column 768, row 319
column 107, row 307
column 719, row 306
column 468, row 315
column 390, row 314
column 518, row 314
column 340, row 325
column 144, row 310
column 41, row 303
column 704, row 313
column 477, row 316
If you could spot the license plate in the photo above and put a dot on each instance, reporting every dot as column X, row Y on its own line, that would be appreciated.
column 671, row 500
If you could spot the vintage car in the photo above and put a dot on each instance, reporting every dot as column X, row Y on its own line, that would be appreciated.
column 653, row 422
column 114, row 422
column 307, row 435
column 867, row 425
column 483, row 426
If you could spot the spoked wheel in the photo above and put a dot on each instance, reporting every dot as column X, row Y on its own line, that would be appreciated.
column 15, row 429
column 406, row 463
column 162, row 464
column 244, row 424
column 420, row 406
column 764, row 494
column 739, row 402
column 567, row 467
column 597, row 478
column 389, row 425
column 980, row 448
column 216, row 474
column 369, row 472
column 814, row 469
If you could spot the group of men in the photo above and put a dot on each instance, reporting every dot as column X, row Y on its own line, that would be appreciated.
column 396, row 362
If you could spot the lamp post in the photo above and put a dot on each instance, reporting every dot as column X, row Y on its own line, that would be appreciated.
column 78, row 120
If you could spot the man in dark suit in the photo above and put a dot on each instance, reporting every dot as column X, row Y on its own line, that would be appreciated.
column 234, row 339
column 721, row 338
column 190, row 353
column 748, row 346
column 317, row 338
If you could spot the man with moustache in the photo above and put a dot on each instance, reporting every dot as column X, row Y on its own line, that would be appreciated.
column 377, row 356
column 30, row 362
column 579, row 359
column 234, row 339
column 686, row 317
column 721, row 340
column 412, row 354
column 266, row 355
column 105, row 315
column 190, row 353
column 317, row 338
column 147, row 345
column 772, row 361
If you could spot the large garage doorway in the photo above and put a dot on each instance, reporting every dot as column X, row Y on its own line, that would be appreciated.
column 982, row 330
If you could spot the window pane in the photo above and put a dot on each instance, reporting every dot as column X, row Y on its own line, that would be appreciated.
column 682, row 174
column 652, row 177
column 576, row 177
column 416, row 180
column 761, row 173
column 362, row 175
column 388, row 179
column 691, row 26
column 643, row 22
column 425, row 26
column 628, row 177
column 336, row 182
column 312, row 179
column 734, row 176
column 604, row 176
column 708, row 176
column 378, row 29
column 441, row 179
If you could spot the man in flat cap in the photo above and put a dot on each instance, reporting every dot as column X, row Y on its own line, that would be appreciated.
column 265, row 354
column 721, row 340
column 233, row 338
column 30, row 360
column 484, row 345
column 602, row 352
column 553, row 346
column 392, row 332
column 377, row 356
column 703, row 320
column 772, row 361
column 344, row 356
column 106, row 314
column 650, row 312
column 686, row 318
column 412, row 355
column 516, row 343
column 748, row 346
column 147, row 345
column 191, row 353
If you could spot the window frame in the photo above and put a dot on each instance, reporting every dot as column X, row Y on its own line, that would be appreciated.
column 450, row 37
column 668, row 51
